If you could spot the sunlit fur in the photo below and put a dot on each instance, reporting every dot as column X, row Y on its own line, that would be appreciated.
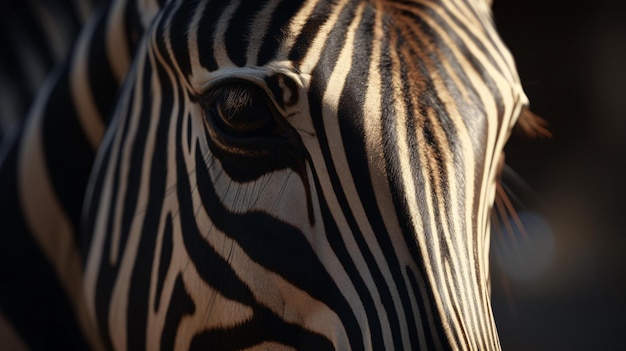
column 360, row 221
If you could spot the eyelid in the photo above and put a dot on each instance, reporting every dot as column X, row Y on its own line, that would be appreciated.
column 240, row 108
column 230, row 85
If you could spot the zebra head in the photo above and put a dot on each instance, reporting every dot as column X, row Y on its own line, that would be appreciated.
column 301, row 174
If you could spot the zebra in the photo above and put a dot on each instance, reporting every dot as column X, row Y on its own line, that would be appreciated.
column 34, row 36
column 301, row 174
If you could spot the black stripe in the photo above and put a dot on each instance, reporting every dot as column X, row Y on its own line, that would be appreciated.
column 167, row 245
column 429, row 101
column 427, row 310
column 451, row 58
column 116, row 165
column 159, row 37
column 107, row 273
column 183, row 306
column 351, row 124
column 276, row 245
column 340, row 250
column 206, row 28
column 106, row 151
column 475, row 110
column 89, row 221
column 312, row 26
column 320, row 77
column 276, row 31
column 390, row 138
column 236, row 38
column 264, row 326
column 472, row 33
column 133, row 27
column 456, row 315
column 179, row 28
column 68, row 154
column 137, row 312
column 134, row 177
column 446, row 28
column 32, row 298
column 103, row 83
column 431, row 145
column 352, row 129
column 212, row 268
column 467, row 54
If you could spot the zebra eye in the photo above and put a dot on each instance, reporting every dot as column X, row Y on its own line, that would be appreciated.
column 240, row 109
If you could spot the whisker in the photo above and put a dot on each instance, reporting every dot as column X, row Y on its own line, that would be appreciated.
column 281, row 193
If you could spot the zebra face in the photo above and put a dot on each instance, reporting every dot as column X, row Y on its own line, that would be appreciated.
column 303, row 175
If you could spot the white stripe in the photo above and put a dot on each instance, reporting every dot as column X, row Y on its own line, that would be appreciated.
column 198, row 73
column 315, row 48
column 116, row 39
column 295, row 27
column 336, row 83
column 120, row 295
column 258, row 30
column 382, row 191
column 9, row 338
column 286, row 300
column 219, row 40
column 80, row 87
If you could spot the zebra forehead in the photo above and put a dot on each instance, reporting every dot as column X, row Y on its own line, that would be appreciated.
column 255, row 33
column 426, row 37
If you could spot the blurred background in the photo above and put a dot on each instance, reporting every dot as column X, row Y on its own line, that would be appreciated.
column 563, row 286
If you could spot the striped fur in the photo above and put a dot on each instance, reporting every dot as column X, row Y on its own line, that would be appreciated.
column 354, row 217
column 35, row 35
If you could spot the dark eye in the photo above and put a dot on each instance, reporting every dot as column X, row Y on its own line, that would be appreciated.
column 240, row 109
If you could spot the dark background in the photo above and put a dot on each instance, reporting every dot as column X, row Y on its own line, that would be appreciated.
column 568, row 290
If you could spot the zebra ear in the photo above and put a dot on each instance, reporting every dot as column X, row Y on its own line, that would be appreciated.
column 531, row 125
column 483, row 6
column 488, row 2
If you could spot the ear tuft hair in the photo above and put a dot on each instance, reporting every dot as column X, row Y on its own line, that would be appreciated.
column 531, row 125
